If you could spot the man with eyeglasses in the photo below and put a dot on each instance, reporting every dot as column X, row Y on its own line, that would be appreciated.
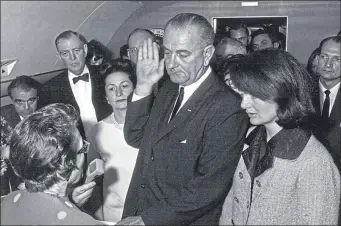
column 190, row 135
column 135, row 40
column 23, row 91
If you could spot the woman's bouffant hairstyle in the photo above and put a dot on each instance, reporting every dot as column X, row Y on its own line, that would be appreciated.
column 310, row 63
column 275, row 75
column 119, row 65
column 42, row 149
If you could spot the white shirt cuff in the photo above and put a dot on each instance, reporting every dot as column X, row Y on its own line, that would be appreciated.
column 136, row 97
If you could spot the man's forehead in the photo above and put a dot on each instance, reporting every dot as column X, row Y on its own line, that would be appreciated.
column 179, row 38
column 72, row 41
column 137, row 38
column 239, row 33
column 331, row 46
column 22, row 93
column 261, row 37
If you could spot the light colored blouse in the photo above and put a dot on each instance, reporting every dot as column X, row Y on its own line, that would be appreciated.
column 108, row 143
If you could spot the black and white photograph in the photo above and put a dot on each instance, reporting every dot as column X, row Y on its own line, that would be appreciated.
column 170, row 113
column 271, row 30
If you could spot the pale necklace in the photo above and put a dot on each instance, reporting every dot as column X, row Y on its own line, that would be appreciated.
column 116, row 124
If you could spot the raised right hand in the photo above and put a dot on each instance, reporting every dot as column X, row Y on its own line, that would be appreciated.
column 149, row 69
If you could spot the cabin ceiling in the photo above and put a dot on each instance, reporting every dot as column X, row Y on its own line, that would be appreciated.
column 28, row 28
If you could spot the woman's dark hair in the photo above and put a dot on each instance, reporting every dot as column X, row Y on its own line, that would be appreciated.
column 118, row 64
column 42, row 146
column 275, row 75
column 224, row 67
column 311, row 59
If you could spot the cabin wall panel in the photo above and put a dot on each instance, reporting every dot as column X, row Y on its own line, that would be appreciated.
column 308, row 21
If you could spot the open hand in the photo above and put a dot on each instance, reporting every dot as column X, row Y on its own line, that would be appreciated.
column 149, row 69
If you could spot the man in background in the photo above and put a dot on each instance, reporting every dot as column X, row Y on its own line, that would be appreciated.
column 227, row 47
column 328, row 97
column 135, row 40
column 79, row 85
column 239, row 32
column 263, row 39
column 24, row 93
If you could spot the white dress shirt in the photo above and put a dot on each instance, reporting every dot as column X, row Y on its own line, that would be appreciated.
column 82, row 92
column 188, row 90
column 332, row 96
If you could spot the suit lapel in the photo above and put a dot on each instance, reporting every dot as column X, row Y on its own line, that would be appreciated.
column 66, row 91
column 189, row 107
column 95, row 89
column 336, row 110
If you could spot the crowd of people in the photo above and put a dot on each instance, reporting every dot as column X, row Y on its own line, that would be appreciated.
column 194, row 129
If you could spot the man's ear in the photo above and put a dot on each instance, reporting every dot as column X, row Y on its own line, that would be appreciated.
column 208, row 54
column 85, row 47
column 58, row 55
column 276, row 45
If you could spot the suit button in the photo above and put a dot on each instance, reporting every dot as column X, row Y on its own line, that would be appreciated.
column 236, row 200
column 143, row 186
column 258, row 183
column 240, row 175
column 152, row 158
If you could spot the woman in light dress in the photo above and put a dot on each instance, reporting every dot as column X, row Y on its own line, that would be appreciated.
column 108, row 143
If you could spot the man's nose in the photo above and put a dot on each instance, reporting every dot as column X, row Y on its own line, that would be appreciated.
column 26, row 105
column 72, row 55
column 329, row 62
column 172, row 62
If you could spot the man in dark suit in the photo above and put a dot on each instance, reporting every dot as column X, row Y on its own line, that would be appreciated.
column 328, row 97
column 80, row 85
column 23, row 91
column 190, row 136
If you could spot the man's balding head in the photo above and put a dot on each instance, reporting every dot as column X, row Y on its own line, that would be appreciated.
column 136, row 39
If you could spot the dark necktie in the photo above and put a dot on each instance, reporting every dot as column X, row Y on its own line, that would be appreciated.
column 326, row 104
column 178, row 102
column 84, row 77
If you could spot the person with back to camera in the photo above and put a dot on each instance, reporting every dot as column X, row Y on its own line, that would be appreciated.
column 46, row 152
column 285, row 175
column 108, row 143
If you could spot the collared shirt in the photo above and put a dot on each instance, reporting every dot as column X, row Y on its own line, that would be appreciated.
column 83, row 94
column 188, row 90
column 332, row 95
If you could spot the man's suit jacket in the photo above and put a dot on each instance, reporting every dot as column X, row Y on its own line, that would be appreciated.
column 58, row 90
column 329, row 133
column 11, row 116
column 184, row 169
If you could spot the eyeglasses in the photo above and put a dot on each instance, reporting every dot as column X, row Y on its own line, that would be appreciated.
column 23, row 102
column 85, row 148
column 133, row 50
